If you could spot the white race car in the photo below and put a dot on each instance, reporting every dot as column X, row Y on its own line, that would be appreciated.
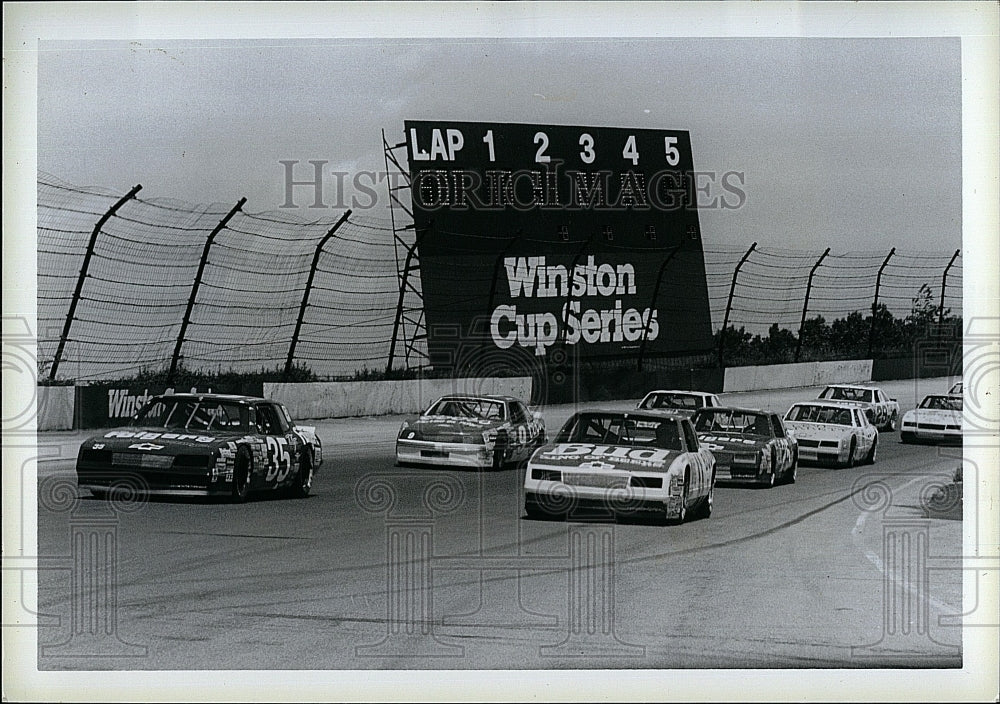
column 471, row 431
column 882, row 411
column 938, row 417
column 680, row 402
column 832, row 431
column 956, row 389
column 621, row 463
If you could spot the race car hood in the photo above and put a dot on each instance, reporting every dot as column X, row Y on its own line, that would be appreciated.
column 433, row 426
column 733, row 442
column 813, row 431
column 159, row 441
column 603, row 457
column 934, row 415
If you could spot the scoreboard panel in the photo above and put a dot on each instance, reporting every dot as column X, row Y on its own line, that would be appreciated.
column 537, row 236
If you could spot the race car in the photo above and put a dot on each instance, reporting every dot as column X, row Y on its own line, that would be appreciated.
column 832, row 431
column 749, row 445
column 471, row 431
column 680, row 402
column 882, row 411
column 621, row 463
column 956, row 389
column 938, row 417
column 201, row 445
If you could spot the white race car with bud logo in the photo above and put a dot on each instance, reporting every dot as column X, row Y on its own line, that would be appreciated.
column 203, row 444
column 938, row 417
column 621, row 463
column 471, row 431
column 837, row 432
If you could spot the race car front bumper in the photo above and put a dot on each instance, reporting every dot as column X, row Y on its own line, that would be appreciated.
column 444, row 454
column 565, row 492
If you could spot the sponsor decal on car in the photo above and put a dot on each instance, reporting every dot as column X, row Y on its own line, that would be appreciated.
column 144, row 435
column 144, row 446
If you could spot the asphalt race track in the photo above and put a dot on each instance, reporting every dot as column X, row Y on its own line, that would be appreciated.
column 387, row 567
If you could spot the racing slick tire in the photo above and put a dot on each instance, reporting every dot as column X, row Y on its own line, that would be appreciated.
column 870, row 457
column 501, row 451
column 303, row 478
column 683, row 513
column 793, row 471
column 242, row 471
column 891, row 426
column 851, row 462
column 906, row 437
column 705, row 508
column 99, row 493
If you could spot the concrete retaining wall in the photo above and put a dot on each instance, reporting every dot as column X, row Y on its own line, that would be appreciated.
column 787, row 376
column 335, row 399
column 55, row 407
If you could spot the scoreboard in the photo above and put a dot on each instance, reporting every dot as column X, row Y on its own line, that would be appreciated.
column 531, row 237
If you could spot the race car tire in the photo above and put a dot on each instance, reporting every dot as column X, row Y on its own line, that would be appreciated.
column 501, row 451
column 793, row 470
column 242, row 471
column 851, row 461
column 683, row 513
column 870, row 457
column 891, row 425
column 906, row 437
column 303, row 478
column 537, row 513
column 705, row 509
column 99, row 493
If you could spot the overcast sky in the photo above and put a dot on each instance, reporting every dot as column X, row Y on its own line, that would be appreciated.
column 849, row 143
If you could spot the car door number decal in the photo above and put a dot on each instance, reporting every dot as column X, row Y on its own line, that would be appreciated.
column 279, row 462
column 522, row 434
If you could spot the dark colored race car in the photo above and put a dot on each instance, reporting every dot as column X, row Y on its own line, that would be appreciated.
column 749, row 445
column 202, row 445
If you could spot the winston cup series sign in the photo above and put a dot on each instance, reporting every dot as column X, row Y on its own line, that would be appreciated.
column 532, row 237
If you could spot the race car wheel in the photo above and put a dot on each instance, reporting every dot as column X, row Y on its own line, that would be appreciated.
column 870, row 457
column 500, row 451
column 850, row 455
column 907, row 437
column 891, row 425
column 794, row 470
column 705, row 510
column 99, row 493
column 683, row 513
column 241, row 475
column 304, row 477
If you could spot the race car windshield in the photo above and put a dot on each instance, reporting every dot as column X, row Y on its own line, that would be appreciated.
column 688, row 401
column 843, row 393
column 194, row 414
column 617, row 429
column 942, row 403
column 738, row 422
column 820, row 414
column 467, row 408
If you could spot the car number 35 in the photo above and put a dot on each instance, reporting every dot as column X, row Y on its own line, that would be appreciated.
column 279, row 461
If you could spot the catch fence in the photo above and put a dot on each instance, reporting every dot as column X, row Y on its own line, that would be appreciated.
column 129, row 283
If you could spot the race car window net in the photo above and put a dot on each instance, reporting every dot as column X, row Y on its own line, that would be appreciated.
column 616, row 429
column 820, row 414
column 193, row 415
column 942, row 403
column 724, row 421
column 467, row 408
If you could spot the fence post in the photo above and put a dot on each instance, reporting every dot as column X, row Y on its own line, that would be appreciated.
column 309, row 282
column 83, row 275
column 729, row 303
column 652, row 305
column 196, row 285
column 402, row 293
column 569, row 289
column 944, row 281
column 878, row 286
column 805, row 304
